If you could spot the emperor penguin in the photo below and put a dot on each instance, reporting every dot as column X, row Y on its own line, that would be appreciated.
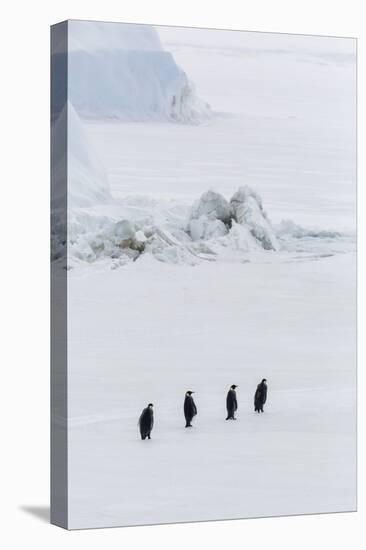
column 190, row 409
column 146, row 422
column 260, row 396
column 231, row 403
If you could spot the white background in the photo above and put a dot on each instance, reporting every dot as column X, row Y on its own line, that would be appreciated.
column 24, row 220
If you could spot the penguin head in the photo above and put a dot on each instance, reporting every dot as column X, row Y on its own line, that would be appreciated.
column 234, row 386
column 150, row 405
column 189, row 392
column 264, row 380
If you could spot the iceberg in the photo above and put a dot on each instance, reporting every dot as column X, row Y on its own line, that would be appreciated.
column 87, row 180
column 133, row 79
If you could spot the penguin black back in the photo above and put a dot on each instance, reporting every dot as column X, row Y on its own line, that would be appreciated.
column 146, row 422
column 190, row 409
column 260, row 396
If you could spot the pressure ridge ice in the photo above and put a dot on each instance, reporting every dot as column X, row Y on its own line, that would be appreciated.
column 212, row 228
column 172, row 231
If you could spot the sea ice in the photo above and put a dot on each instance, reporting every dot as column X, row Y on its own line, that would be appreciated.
column 248, row 210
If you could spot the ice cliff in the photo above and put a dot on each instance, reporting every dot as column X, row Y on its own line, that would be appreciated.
column 121, row 71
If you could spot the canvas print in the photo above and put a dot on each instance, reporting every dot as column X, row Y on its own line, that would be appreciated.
column 203, row 274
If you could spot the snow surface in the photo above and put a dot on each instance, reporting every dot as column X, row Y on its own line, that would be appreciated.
column 168, row 292
column 147, row 332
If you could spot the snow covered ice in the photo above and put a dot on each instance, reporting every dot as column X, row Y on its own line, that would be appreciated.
column 211, row 241
column 248, row 210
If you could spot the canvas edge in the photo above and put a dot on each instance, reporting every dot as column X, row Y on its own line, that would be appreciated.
column 58, row 389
